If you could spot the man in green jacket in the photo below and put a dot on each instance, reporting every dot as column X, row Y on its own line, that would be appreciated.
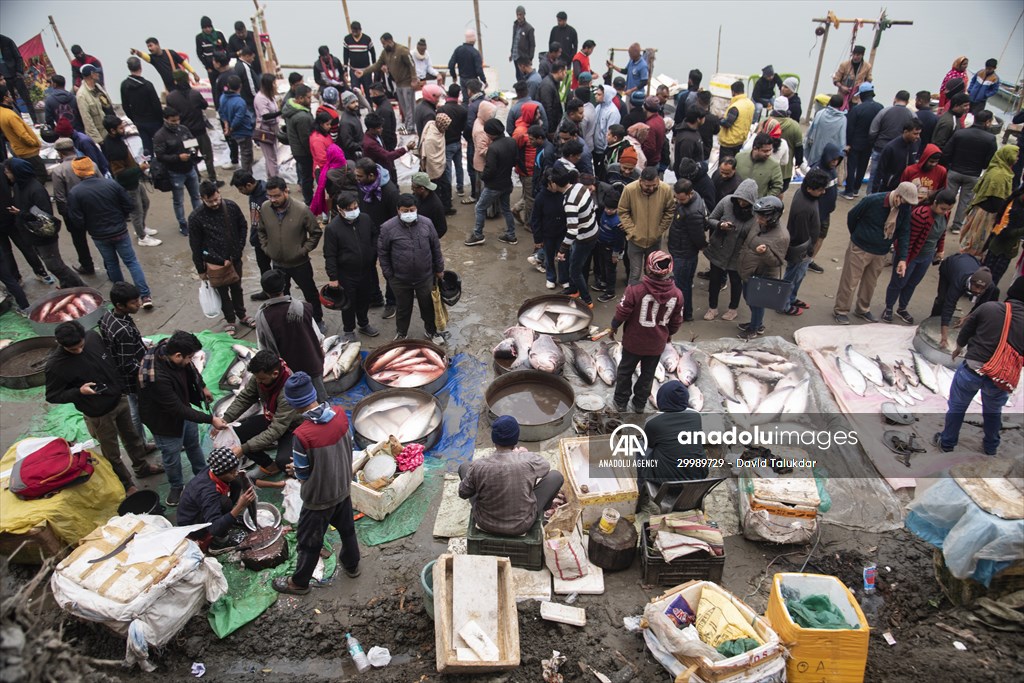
column 758, row 165
column 288, row 232
column 298, row 122
column 402, row 70
column 646, row 211
column 874, row 223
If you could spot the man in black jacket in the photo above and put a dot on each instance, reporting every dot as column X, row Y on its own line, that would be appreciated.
column 256, row 191
column 350, row 259
column 189, row 104
column 350, row 128
column 209, row 41
column 169, row 385
column 550, row 97
column 564, row 34
column 428, row 203
column 141, row 104
column 80, row 371
column 466, row 63
column 453, row 135
column 243, row 38
column 174, row 148
column 497, row 184
column 686, row 239
column 804, row 228
column 858, row 138
column 379, row 200
column 966, row 155
column 686, row 137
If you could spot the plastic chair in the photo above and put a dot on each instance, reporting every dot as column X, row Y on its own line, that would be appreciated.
column 677, row 496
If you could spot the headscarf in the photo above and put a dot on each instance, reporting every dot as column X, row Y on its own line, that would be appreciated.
column 772, row 127
column 442, row 121
column 998, row 178
column 954, row 73
column 335, row 159
column 83, row 167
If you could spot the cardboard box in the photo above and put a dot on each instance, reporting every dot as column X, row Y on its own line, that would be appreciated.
column 379, row 504
column 618, row 485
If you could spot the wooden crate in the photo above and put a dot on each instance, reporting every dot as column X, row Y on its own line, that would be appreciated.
column 31, row 547
column 965, row 591
column 623, row 497
column 508, row 621
column 379, row 504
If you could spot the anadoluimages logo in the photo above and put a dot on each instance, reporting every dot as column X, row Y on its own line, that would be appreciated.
column 628, row 441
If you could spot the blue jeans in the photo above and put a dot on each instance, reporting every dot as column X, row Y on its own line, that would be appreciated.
column 578, row 256
column 453, row 155
column 121, row 246
column 967, row 383
column 873, row 168
column 557, row 271
column 170, row 452
column 133, row 407
column 902, row 288
column 179, row 183
column 685, row 268
column 795, row 274
column 503, row 199
column 756, row 312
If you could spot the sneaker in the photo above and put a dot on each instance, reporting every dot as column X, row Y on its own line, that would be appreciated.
column 461, row 192
column 887, row 315
column 704, row 275
column 437, row 338
column 474, row 240
column 549, row 284
column 259, row 296
column 565, row 286
column 606, row 296
column 540, row 268
column 349, row 336
column 730, row 315
column 47, row 279
column 848, row 195
column 148, row 241
column 352, row 573
column 747, row 335
column 147, row 302
column 815, row 268
column 937, row 442
column 150, row 231
column 369, row 330
column 841, row 319
column 866, row 315
column 183, row 230
column 399, row 337
column 390, row 312
column 173, row 497
column 745, row 327
column 620, row 407
column 82, row 270
column 905, row 317
column 229, row 166
column 954, row 231
column 532, row 259
column 23, row 312
column 518, row 215
column 508, row 239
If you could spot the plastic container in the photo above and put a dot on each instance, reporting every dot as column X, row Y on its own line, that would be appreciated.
column 525, row 552
column 609, row 518
column 699, row 566
column 427, row 583
column 142, row 502
column 355, row 650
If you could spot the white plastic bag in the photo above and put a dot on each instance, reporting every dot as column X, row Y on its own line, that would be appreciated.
column 226, row 438
column 209, row 300
column 292, row 501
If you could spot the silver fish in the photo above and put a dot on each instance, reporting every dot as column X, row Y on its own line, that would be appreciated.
column 915, row 394
column 784, row 368
column 235, row 373
column 331, row 363
column 722, row 375
column 696, row 398
column 885, row 392
column 735, row 359
column 925, row 372
column 243, row 351
column 615, row 352
column 908, row 373
column 792, row 379
column 506, row 348
column 736, row 407
column 763, row 357
column 659, row 372
column 773, row 403
column 763, row 374
column 349, row 357
column 899, row 380
column 796, row 403
column 865, row 366
column 888, row 375
column 328, row 343
column 687, row 369
column 605, row 365
column 565, row 322
column 415, row 426
column 852, row 377
column 944, row 378
column 670, row 358
column 546, row 356
column 751, row 389
column 199, row 360
column 523, row 337
column 584, row 363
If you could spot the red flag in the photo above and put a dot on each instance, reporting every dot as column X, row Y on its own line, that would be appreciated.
column 38, row 67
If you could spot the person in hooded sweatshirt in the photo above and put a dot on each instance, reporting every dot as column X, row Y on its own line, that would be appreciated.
column 728, row 225
column 829, row 125
column 674, row 417
column 803, row 225
column 649, row 313
column 831, row 157
column 60, row 103
column 763, row 254
column 927, row 174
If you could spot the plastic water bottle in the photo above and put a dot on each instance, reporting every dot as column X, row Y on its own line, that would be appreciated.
column 355, row 650
column 504, row 255
column 871, row 604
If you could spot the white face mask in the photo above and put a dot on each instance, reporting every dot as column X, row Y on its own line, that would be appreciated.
column 409, row 217
column 351, row 215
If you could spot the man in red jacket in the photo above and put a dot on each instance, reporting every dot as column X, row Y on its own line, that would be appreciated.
column 652, row 311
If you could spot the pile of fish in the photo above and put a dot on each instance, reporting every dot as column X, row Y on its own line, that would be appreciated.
column 899, row 381
column 760, row 384
column 237, row 374
column 70, row 307
column 407, row 366
column 198, row 359
column 530, row 350
column 339, row 357
column 554, row 318
column 406, row 417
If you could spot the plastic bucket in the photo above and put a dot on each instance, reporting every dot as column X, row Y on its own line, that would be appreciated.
column 427, row 581
column 142, row 502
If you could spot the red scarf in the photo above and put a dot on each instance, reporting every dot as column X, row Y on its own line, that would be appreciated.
column 270, row 407
column 327, row 64
column 222, row 488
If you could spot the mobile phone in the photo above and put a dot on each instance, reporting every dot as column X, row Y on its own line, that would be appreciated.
column 100, row 388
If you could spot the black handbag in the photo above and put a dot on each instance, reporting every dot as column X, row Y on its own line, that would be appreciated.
column 41, row 223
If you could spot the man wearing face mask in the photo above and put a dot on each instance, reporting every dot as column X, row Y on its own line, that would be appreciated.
column 411, row 259
column 350, row 258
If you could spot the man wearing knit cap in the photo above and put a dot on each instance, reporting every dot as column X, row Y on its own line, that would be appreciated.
column 322, row 462
column 215, row 497
column 64, row 178
column 208, row 42
column 960, row 275
column 788, row 90
column 876, row 223
column 350, row 128
column 466, row 63
column 764, row 89
column 524, row 43
column 674, row 417
column 510, row 489
column 623, row 169
column 497, row 183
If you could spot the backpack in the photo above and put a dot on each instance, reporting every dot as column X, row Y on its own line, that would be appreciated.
column 160, row 176
column 49, row 469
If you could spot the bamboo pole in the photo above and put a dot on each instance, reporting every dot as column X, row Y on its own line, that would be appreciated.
column 348, row 22
column 479, row 35
column 718, row 52
column 60, row 40
column 817, row 73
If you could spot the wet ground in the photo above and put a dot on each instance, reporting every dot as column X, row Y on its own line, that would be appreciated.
column 302, row 639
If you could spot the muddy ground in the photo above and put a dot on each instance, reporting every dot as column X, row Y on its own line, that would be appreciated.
column 302, row 639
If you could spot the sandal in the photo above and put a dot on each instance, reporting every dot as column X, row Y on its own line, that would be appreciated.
column 283, row 584
column 467, row 200
column 794, row 310
column 229, row 329
column 249, row 322
column 800, row 304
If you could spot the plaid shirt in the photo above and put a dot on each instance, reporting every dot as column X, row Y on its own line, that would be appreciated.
column 503, row 486
column 124, row 343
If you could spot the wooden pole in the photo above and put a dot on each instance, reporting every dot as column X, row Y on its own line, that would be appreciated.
column 59, row 39
column 817, row 74
column 348, row 22
column 479, row 35
column 718, row 52
column 875, row 39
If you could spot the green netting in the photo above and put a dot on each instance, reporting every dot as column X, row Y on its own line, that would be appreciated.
column 816, row 611
column 251, row 593
column 731, row 648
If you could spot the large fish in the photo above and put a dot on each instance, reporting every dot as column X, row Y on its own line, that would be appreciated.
column 584, row 363
column 736, row 407
column 349, row 357
column 615, row 353
column 763, row 374
column 888, row 374
column 523, row 338
column 792, row 378
column 331, row 363
column 653, row 398
column 723, row 377
column 799, row 395
column 763, row 357
column 925, row 372
column 752, row 390
column 774, row 403
column 735, row 359
column 506, row 348
column 416, row 425
column 659, row 372
column 236, row 373
column 382, row 361
column 696, row 398
column 852, row 376
column 908, row 373
column 944, row 378
column 865, row 366
column 605, row 365
column 546, row 356
column 243, row 351
column 670, row 358
column 687, row 369
column 199, row 360
column 328, row 343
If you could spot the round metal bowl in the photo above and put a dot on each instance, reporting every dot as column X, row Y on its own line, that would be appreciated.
column 565, row 301
column 260, row 507
column 926, row 342
column 534, row 424
column 22, row 364
column 428, row 440
column 345, row 382
column 89, row 320
column 430, row 387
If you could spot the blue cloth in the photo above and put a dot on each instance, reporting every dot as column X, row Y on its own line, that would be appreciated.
column 967, row 383
column 179, row 183
column 505, row 431
column 110, row 250
column 637, row 73
column 979, row 90
column 235, row 113
column 796, row 274
column 609, row 230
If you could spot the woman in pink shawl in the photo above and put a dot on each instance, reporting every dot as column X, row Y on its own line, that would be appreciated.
column 947, row 89
column 321, row 202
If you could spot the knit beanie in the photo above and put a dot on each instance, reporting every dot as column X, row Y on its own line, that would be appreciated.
column 791, row 83
column 206, row 23
column 494, row 127
column 443, row 121
column 64, row 129
column 330, row 95
column 628, row 154
column 83, row 167
column 299, row 390
column 348, row 97
column 222, row 461
column 505, row 431
column 781, row 103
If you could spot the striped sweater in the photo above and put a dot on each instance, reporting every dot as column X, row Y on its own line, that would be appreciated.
column 922, row 223
column 580, row 216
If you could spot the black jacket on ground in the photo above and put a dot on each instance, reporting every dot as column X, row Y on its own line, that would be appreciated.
column 200, row 503
column 549, row 96
column 190, row 104
column 166, row 403
column 350, row 249
column 498, row 164
column 969, row 151
column 101, row 206
column 688, row 233
column 67, row 372
column 140, row 101
column 169, row 144
column 803, row 226
column 217, row 235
